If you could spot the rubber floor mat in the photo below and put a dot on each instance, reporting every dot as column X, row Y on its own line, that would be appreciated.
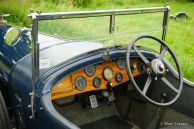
column 112, row 122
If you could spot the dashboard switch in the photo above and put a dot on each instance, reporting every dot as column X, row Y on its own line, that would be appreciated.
column 109, row 86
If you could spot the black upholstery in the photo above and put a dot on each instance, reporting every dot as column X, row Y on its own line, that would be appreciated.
column 112, row 122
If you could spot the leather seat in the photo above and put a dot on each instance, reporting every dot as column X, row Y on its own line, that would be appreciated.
column 180, row 127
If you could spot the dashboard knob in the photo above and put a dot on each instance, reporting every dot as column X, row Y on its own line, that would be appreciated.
column 109, row 86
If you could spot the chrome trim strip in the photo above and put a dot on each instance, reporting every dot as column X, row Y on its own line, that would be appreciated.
column 98, row 13
column 165, row 22
column 35, row 61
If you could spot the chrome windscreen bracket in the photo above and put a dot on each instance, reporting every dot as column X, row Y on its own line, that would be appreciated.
column 165, row 22
column 35, row 60
column 112, row 24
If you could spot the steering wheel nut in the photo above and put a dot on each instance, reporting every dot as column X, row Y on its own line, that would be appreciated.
column 158, row 67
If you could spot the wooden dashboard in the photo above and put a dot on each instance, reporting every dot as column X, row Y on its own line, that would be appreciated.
column 66, row 86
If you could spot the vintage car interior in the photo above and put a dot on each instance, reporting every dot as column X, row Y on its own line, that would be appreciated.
column 58, row 83
column 119, row 88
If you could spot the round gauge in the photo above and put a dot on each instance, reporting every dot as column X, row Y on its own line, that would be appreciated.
column 80, row 83
column 121, row 63
column 97, row 82
column 140, row 66
column 108, row 73
column 119, row 77
column 90, row 70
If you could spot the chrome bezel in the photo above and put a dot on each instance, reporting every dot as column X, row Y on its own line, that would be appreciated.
column 97, row 86
column 105, row 77
column 93, row 72
column 123, row 65
column 121, row 77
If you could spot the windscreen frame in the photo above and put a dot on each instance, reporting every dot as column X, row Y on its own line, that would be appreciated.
column 36, row 17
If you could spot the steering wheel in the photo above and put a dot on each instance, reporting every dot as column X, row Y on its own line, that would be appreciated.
column 155, row 68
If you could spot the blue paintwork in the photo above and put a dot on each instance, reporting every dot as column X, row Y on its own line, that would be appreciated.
column 10, row 55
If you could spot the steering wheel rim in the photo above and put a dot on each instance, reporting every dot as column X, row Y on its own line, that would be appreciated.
column 150, row 64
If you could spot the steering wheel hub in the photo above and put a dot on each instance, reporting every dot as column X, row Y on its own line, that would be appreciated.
column 158, row 67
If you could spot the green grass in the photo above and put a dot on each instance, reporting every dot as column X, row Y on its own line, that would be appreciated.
column 180, row 36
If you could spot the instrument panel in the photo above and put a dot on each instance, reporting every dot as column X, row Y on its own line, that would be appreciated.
column 93, row 77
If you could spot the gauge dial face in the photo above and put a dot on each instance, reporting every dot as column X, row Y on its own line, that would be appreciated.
column 90, row 70
column 80, row 83
column 119, row 77
column 121, row 63
column 140, row 66
column 108, row 73
column 97, row 82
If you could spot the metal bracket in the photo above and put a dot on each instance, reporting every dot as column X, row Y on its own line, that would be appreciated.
column 112, row 24
column 2, row 17
column 165, row 22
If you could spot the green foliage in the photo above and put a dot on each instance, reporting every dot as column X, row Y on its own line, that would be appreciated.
column 81, row 3
column 17, row 16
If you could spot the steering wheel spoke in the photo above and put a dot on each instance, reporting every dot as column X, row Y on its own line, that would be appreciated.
column 141, row 55
column 169, row 67
column 162, row 53
column 147, row 84
column 169, row 85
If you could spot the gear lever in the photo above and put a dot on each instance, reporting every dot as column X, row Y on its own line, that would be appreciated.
column 156, row 118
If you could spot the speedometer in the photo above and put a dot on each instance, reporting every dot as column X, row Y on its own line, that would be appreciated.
column 80, row 83
column 90, row 70
column 108, row 73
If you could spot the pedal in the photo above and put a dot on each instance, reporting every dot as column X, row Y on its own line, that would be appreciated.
column 93, row 101
column 109, row 95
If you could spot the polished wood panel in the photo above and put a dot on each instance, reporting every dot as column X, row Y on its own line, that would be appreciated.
column 66, row 86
